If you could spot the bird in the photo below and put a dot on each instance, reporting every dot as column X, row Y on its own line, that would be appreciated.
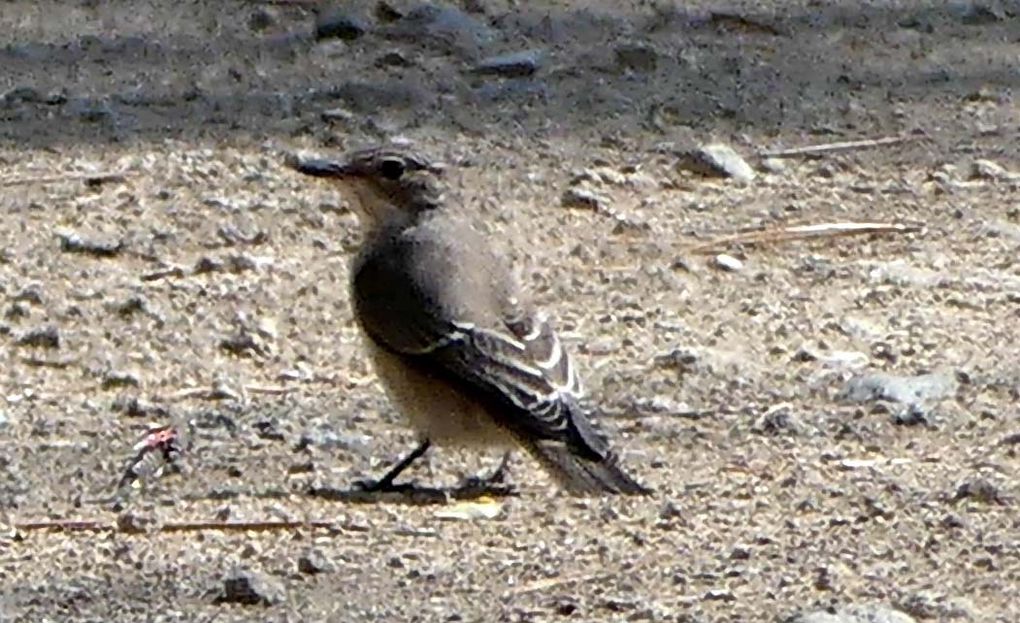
column 453, row 340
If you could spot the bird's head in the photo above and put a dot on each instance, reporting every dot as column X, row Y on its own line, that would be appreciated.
column 382, row 183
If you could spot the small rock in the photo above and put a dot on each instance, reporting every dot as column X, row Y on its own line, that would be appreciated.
column 261, row 19
column 728, row 263
column 313, row 562
column 43, row 337
column 30, row 294
column 27, row 95
column 978, row 12
column 583, row 198
column 902, row 389
column 913, row 415
column 928, row 605
column 778, row 420
column 251, row 588
column 132, row 305
column 71, row 242
column 716, row 160
column 92, row 111
column 853, row 614
column 980, row 490
column 394, row 58
column 514, row 65
column 680, row 357
column 667, row 406
column 116, row 378
column 326, row 439
column 133, row 406
column 446, row 28
column 338, row 115
column 134, row 523
column 18, row 310
column 338, row 24
column 988, row 170
column 774, row 165
column 636, row 57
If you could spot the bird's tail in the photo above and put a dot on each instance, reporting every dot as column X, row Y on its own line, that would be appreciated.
column 584, row 475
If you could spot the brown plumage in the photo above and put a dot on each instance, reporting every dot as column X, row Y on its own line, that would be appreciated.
column 462, row 356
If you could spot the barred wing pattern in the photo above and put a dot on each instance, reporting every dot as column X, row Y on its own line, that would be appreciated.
column 532, row 388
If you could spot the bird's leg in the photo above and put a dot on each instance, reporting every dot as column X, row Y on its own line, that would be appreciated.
column 498, row 476
column 494, row 482
column 386, row 482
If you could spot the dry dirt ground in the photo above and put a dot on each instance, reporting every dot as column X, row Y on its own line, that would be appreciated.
column 204, row 286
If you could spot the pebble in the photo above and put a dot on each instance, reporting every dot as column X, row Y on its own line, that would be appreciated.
column 977, row 12
column 902, row 389
column 854, row 614
column 639, row 57
column 43, row 337
column 728, row 263
column 513, row 65
column 446, row 28
column 314, row 562
column 261, row 19
column 250, row 588
column 338, row 24
column 716, row 160
column 583, row 198
column 988, row 170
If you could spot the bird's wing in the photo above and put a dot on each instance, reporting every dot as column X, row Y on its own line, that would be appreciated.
column 519, row 370
column 527, row 382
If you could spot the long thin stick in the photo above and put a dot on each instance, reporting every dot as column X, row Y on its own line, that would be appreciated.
column 804, row 232
column 88, row 178
column 810, row 150
column 80, row 525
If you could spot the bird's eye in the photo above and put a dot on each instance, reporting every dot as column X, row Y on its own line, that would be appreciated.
column 391, row 169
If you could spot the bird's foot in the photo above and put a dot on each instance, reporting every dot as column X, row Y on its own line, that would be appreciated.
column 384, row 486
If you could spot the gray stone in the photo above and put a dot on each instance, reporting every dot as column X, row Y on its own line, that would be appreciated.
column 339, row 24
column 988, row 170
column 442, row 27
column 728, row 263
column 313, row 562
column 978, row 12
column 261, row 19
column 902, row 389
column 854, row 614
column 328, row 439
column 636, row 57
column 23, row 94
column 92, row 110
column 583, row 198
column 249, row 588
column 514, row 65
column 43, row 337
column 716, row 160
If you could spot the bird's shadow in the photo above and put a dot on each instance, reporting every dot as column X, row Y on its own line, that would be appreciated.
column 413, row 494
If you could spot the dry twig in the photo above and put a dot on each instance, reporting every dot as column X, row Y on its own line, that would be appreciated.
column 803, row 232
column 814, row 150
column 85, row 525
column 90, row 179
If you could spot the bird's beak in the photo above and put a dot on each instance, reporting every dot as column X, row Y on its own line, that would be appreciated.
column 319, row 167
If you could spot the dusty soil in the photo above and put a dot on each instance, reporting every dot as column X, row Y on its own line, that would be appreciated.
column 216, row 301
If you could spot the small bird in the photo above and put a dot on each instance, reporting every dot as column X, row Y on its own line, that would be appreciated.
column 461, row 354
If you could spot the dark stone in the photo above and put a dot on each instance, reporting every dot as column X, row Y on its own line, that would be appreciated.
column 251, row 589
column 338, row 24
